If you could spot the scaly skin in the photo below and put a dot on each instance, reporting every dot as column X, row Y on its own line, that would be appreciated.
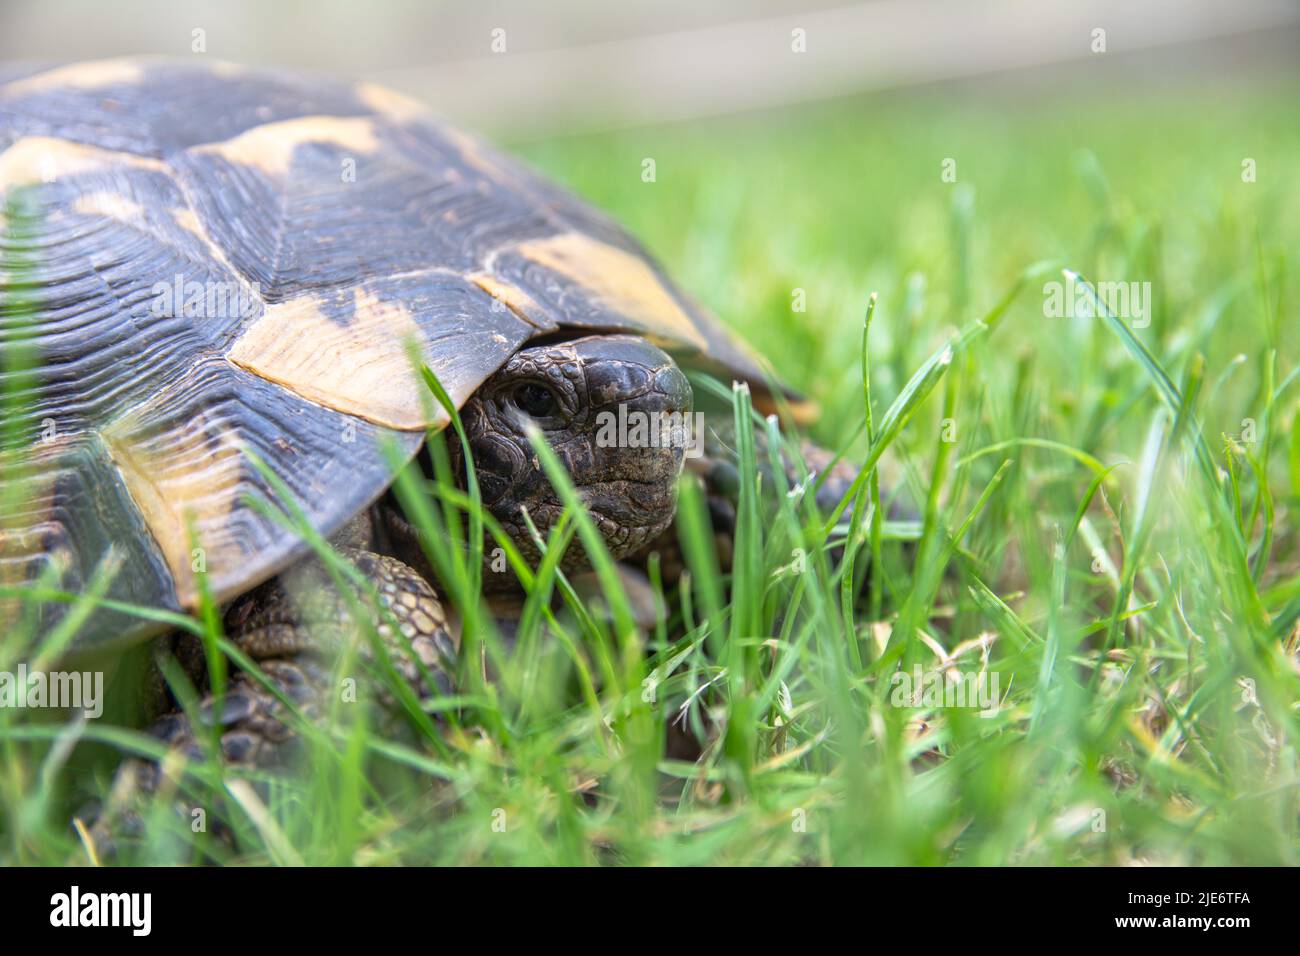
column 629, row 491
column 292, row 626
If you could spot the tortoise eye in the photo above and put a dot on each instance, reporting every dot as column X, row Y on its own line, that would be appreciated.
column 537, row 400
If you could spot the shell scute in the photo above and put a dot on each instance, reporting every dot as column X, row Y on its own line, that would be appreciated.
column 204, row 268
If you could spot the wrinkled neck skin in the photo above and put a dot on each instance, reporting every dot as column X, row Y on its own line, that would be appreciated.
column 599, row 402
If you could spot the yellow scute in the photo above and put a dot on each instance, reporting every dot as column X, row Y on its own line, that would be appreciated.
column 83, row 76
column 34, row 160
column 360, row 367
column 619, row 280
column 270, row 147
column 185, row 480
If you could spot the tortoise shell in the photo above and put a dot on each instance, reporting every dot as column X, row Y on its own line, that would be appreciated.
column 201, row 261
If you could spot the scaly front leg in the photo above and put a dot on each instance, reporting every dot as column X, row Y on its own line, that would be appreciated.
column 292, row 627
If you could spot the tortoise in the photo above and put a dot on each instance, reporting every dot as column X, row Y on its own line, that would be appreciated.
column 207, row 265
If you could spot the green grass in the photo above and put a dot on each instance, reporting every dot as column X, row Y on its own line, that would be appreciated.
column 1096, row 530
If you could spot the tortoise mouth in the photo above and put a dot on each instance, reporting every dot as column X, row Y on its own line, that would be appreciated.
column 628, row 513
column 624, row 540
column 631, row 503
column 623, row 536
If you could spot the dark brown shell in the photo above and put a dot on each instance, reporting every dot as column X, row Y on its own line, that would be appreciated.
column 199, row 261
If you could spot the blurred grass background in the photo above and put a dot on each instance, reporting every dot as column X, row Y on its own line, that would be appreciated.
column 846, row 198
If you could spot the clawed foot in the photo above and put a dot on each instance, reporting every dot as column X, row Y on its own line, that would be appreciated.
column 291, row 627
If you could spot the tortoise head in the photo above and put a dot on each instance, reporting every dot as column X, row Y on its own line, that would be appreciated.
column 617, row 412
